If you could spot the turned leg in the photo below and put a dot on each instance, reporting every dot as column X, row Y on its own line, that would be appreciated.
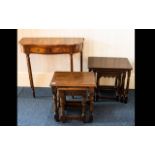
column 84, row 108
column 81, row 61
column 95, row 93
column 127, row 86
column 116, row 88
column 119, row 85
column 62, row 106
column 56, row 104
column 30, row 74
column 97, row 89
column 116, row 82
column 122, row 86
column 91, row 98
column 71, row 62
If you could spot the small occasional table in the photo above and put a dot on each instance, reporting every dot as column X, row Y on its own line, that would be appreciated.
column 119, row 68
column 51, row 46
column 73, row 81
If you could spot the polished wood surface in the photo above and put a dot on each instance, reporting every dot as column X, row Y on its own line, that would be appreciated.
column 73, row 79
column 51, row 41
column 51, row 46
column 119, row 68
column 72, row 84
column 109, row 63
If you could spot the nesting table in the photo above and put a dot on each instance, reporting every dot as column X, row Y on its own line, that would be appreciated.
column 72, row 83
column 119, row 68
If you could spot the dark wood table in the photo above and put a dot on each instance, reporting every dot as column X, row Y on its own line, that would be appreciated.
column 119, row 68
column 73, row 82
column 51, row 46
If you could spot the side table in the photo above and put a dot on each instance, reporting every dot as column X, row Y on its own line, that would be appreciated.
column 119, row 68
column 72, row 83
column 51, row 46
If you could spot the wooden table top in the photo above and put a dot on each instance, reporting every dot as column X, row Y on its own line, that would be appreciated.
column 109, row 63
column 51, row 41
column 73, row 79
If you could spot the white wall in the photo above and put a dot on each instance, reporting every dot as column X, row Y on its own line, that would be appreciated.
column 98, row 42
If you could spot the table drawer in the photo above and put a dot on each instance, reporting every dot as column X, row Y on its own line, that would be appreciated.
column 61, row 49
column 40, row 50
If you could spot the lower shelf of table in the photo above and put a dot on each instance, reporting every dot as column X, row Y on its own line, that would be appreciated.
column 74, row 105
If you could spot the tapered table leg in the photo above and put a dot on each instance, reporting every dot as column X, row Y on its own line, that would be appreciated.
column 71, row 62
column 81, row 61
column 30, row 74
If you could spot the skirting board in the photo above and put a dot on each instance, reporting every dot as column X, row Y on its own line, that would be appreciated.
column 43, row 80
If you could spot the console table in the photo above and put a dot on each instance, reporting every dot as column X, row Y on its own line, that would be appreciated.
column 112, row 67
column 72, row 83
column 51, row 46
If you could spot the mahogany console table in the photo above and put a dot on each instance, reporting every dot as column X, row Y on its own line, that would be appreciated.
column 72, row 83
column 112, row 67
column 51, row 46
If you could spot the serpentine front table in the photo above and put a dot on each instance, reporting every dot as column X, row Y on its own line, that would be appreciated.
column 51, row 46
